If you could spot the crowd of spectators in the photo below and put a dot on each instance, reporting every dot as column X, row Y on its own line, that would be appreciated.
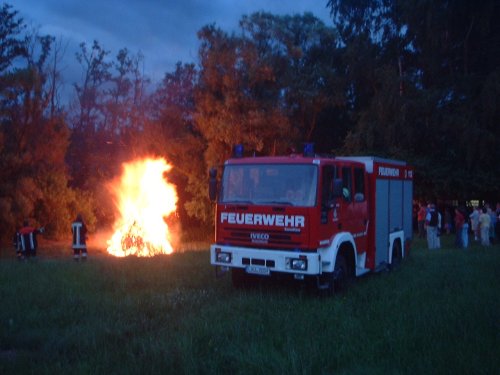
column 479, row 223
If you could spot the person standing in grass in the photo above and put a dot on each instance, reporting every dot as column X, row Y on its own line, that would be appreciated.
column 17, row 246
column 459, row 223
column 79, row 230
column 431, row 225
column 484, row 224
column 497, row 227
column 465, row 234
column 439, row 229
column 474, row 222
column 447, row 220
column 28, row 239
column 493, row 223
column 421, row 220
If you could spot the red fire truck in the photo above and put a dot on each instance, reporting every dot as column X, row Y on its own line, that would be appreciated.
column 310, row 216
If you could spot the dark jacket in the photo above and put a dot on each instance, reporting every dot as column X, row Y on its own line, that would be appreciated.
column 79, row 230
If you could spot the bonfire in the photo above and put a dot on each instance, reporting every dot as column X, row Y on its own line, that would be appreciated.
column 144, row 200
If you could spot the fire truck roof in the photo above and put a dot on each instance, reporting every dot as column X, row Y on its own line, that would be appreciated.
column 367, row 161
column 294, row 158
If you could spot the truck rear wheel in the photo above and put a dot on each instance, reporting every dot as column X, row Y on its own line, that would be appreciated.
column 397, row 255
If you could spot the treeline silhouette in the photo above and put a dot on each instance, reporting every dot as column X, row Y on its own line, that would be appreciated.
column 418, row 81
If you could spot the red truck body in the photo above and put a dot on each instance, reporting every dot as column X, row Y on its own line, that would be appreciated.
column 331, row 218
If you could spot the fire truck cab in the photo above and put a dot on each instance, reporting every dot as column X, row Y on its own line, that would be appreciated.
column 327, row 218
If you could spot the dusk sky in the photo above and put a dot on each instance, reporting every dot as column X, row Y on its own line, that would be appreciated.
column 163, row 30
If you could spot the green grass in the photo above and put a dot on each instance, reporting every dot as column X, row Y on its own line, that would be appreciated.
column 437, row 314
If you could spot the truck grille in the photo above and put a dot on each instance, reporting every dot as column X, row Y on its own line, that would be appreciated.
column 256, row 238
column 258, row 262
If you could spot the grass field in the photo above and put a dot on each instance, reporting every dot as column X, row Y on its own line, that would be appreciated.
column 439, row 313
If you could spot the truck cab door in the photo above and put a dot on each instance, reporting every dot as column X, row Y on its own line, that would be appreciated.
column 353, row 216
column 331, row 196
column 347, row 211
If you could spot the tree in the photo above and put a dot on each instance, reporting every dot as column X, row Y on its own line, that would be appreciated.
column 270, row 87
column 302, row 53
column 237, row 99
column 35, row 139
column 11, row 44
column 172, row 133
column 107, row 119
column 419, row 94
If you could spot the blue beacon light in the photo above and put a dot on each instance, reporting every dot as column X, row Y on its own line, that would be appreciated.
column 238, row 151
column 309, row 149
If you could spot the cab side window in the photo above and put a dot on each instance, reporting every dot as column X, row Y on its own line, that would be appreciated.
column 329, row 173
column 326, row 188
column 359, row 185
column 347, row 184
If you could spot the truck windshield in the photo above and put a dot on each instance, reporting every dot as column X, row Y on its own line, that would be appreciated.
column 286, row 184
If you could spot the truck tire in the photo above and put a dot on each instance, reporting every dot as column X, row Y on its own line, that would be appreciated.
column 341, row 275
column 336, row 281
column 397, row 256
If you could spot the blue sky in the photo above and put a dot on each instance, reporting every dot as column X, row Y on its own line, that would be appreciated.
column 164, row 31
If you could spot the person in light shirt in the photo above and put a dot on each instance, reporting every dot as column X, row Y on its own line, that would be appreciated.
column 484, row 224
column 431, row 225
column 474, row 222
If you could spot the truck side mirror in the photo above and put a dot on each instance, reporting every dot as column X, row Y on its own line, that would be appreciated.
column 337, row 188
column 212, row 184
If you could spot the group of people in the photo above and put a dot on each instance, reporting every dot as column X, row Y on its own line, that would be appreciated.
column 484, row 224
column 26, row 243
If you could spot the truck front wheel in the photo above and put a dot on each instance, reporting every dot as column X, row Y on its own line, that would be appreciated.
column 340, row 274
column 336, row 281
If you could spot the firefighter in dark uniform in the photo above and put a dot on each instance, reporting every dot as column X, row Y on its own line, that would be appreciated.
column 28, row 243
column 17, row 246
column 79, row 230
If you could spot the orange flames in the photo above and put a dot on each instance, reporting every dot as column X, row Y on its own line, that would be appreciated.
column 144, row 200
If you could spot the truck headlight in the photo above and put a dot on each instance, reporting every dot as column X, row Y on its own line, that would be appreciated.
column 222, row 257
column 299, row 264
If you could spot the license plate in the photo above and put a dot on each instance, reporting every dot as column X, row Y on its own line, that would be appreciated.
column 258, row 270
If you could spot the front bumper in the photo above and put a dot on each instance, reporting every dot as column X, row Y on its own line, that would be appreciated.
column 264, row 261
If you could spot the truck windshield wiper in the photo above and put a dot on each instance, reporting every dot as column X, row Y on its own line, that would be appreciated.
column 284, row 203
column 238, row 202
